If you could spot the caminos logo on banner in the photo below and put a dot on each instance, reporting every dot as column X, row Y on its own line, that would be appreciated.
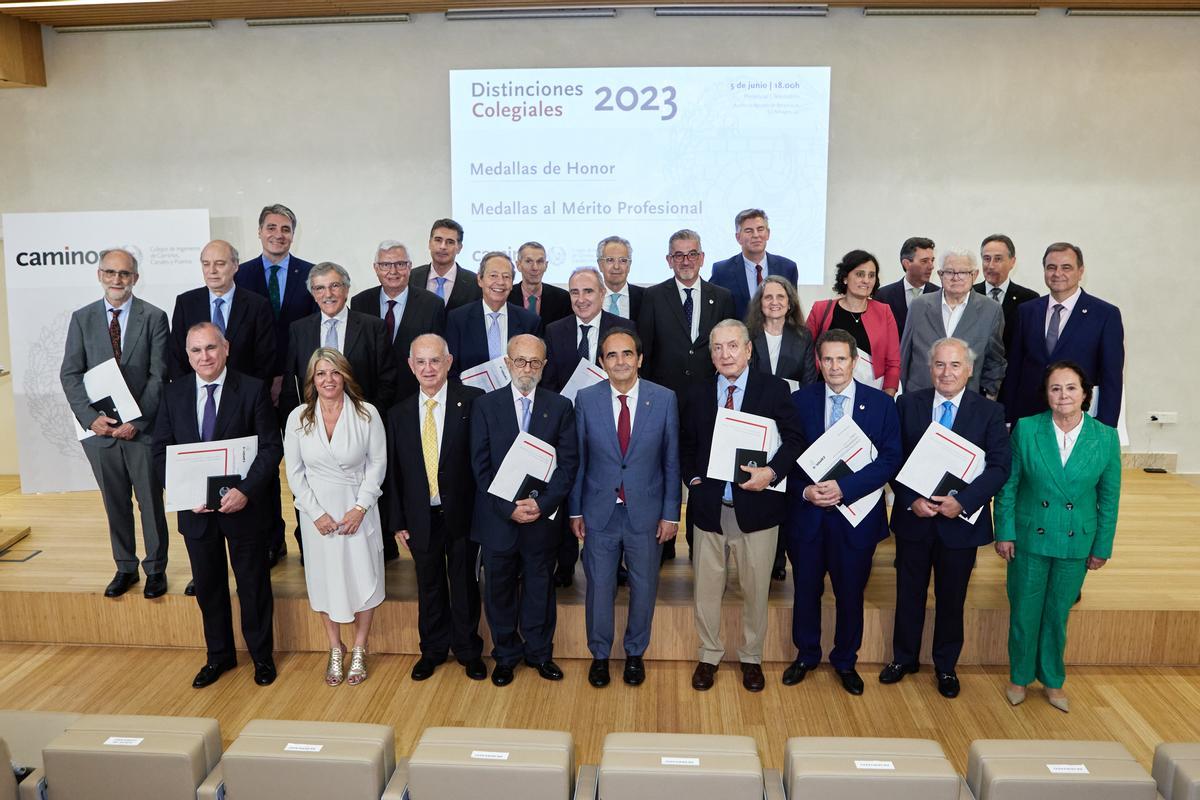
column 58, row 258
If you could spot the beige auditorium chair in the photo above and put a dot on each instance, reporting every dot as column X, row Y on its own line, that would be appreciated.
column 23, row 734
column 848, row 768
column 1022, row 769
column 473, row 763
column 115, row 757
column 1177, row 770
column 294, row 760
column 687, row 766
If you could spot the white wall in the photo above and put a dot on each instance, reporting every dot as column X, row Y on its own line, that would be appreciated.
column 1045, row 128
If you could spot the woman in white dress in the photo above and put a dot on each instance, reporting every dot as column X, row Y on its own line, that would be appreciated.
column 336, row 453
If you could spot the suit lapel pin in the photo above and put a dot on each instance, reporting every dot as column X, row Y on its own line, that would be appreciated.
column 710, row 301
column 1084, row 310
column 862, row 408
column 459, row 404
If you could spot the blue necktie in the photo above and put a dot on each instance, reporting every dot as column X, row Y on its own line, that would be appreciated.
column 209, row 424
column 688, row 309
column 218, row 317
column 526, row 404
column 613, row 306
column 947, row 418
column 838, row 412
column 493, row 334
column 440, row 291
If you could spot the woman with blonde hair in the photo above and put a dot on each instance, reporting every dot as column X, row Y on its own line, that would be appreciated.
column 336, row 453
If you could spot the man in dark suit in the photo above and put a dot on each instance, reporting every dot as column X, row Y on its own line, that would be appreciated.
column 999, row 256
column 442, row 275
column 216, row 403
column 518, row 539
column 566, row 340
column 432, row 499
column 930, row 534
column 614, row 257
column 744, row 273
column 549, row 302
column 916, row 259
column 1067, row 325
column 282, row 278
column 407, row 311
column 475, row 339
column 820, row 539
column 736, row 517
column 134, row 333
column 247, row 325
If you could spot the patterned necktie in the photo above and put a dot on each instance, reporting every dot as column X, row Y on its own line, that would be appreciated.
column 996, row 295
column 1052, row 331
column 613, row 306
column 493, row 335
column 838, row 412
column 440, row 291
column 218, row 316
column 114, row 333
column 758, row 274
column 688, row 309
column 331, row 338
column 273, row 289
column 729, row 390
column 728, row 495
column 389, row 319
column 531, row 303
column 947, row 418
column 582, row 353
column 526, row 404
column 208, row 426
column 623, row 431
column 429, row 447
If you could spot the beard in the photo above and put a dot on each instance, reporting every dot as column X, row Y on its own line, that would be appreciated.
column 526, row 383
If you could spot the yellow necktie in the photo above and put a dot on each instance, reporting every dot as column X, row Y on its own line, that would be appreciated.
column 429, row 446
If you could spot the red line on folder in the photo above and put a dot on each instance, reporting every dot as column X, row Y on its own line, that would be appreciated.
column 947, row 439
column 754, row 425
column 224, row 450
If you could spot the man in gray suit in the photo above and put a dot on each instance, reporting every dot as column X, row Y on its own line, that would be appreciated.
column 134, row 333
column 955, row 310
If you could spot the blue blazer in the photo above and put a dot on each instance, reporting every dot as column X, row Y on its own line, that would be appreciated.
column 893, row 295
column 875, row 413
column 981, row 422
column 466, row 334
column 1094, row 338
column 494, row 428
column 649, row 469
column 731, row 274
column 296, row 303
column 562, row 351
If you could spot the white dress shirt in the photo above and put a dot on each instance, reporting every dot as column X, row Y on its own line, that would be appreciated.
column 774, row 345
column 226, row 306
column 622, row 295
column 202, row 397
column 439, row 422
column 432, row 283
column 679, row 287
column 593, row 335
column 847, row 404
column 952, row 316
column 501, row 320
column 1068, row 307
column 517, row 405
column 987, row 289
column 908, row 291
column 631, row 399
column 1066, row 439
column 342, row 317
column 938, row 400
column 397, row 312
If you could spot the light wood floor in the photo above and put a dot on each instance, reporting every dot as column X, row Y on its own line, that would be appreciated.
column 1138, row 707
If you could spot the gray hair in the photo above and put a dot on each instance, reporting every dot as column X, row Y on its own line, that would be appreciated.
column 684, row 233
column 956, row 341
column 233, row 253
column 530, row 246
column 736, row 324
column 962, row 252
column 426, row 337
column 389, row 244
column 595, row 273
column 326, row 267
column 607, row 240
column 126, row 250
column 203, row 326
column 749, row 213
column 277, row 208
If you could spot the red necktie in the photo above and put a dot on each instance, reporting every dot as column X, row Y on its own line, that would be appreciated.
column 623, row 434
column 389, row 319
column 729, row 396
column 758, row 274
column 114, row 333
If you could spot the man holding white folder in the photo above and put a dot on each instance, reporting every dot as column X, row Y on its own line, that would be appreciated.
column 931, row 534
column 820, row 539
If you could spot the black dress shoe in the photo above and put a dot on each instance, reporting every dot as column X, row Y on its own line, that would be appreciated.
column 752, row 677
column 563, row 580
column 635, row 671
column 547, row 669
column 948, row 684
column 120, row 584
column 423, row 669
column 475, row 668
column 190, row 589
column 598, row 673
column 851, row 682
column 702, row 678
column 796, row 672
column 209, row 673
column 894, row 673
column 502, row 675
column 779, row 574
column 156, row 586
column 264, row 672
column 276, row 554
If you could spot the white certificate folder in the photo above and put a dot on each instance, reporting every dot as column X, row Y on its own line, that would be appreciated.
column 189, row 466
column 528, row 456
column 846, row 443
column 941, row 451
column 737, row 430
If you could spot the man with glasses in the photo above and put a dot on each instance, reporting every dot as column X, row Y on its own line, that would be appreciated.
column 518, row 539
column 134, row 333
column 407, row 311
column 956, row 310
column 614, row 257
column 1068, row 325
column 551, row 303
column 744, row 273
column 443, row 276
column 479, row 332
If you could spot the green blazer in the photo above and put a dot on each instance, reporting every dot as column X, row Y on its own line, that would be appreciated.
column 1061, row 511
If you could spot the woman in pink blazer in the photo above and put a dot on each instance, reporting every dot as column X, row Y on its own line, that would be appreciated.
column 868, row 320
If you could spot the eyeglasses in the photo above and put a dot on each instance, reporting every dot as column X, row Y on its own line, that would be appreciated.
column 123, row 274
column 336, row 286
column 690, row 255
column 531, row 363
column 608, row 261
column 950, row 273
column 388, row 266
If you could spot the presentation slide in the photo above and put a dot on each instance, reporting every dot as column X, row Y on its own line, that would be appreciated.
column 567, row 157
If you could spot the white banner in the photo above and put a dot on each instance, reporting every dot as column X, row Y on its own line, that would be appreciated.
column 50, row 263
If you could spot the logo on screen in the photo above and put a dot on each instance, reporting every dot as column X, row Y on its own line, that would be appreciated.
column 57, row 258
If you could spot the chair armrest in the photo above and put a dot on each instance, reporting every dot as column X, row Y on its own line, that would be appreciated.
column 397, row 787
column 773, row 785
column 213, row 787
column 586, row 782
column 34, row 786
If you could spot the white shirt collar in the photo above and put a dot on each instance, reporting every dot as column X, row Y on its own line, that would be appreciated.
column 219, row 380
column 908, row 287
column 987, row 288
column 341, row 316
column 383, row 295
column 631, row 394
column 1069, row 303
column 847, row 393
column 956, row 400
column 682, row 289
column 439, row 396
column 517, row 395
column 960, row 306
column 624, row 290
column 227, row 297
column 487, row 310
column 594, row 322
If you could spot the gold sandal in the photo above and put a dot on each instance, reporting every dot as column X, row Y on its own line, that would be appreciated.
column 333, row 672
column 358, row 666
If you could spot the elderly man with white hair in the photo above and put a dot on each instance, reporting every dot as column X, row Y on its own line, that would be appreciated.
column 954, row 310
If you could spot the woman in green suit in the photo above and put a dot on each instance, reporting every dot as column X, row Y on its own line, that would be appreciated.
column 1055, row 520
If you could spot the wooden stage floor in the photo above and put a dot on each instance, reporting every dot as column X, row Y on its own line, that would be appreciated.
column 1141, row 609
